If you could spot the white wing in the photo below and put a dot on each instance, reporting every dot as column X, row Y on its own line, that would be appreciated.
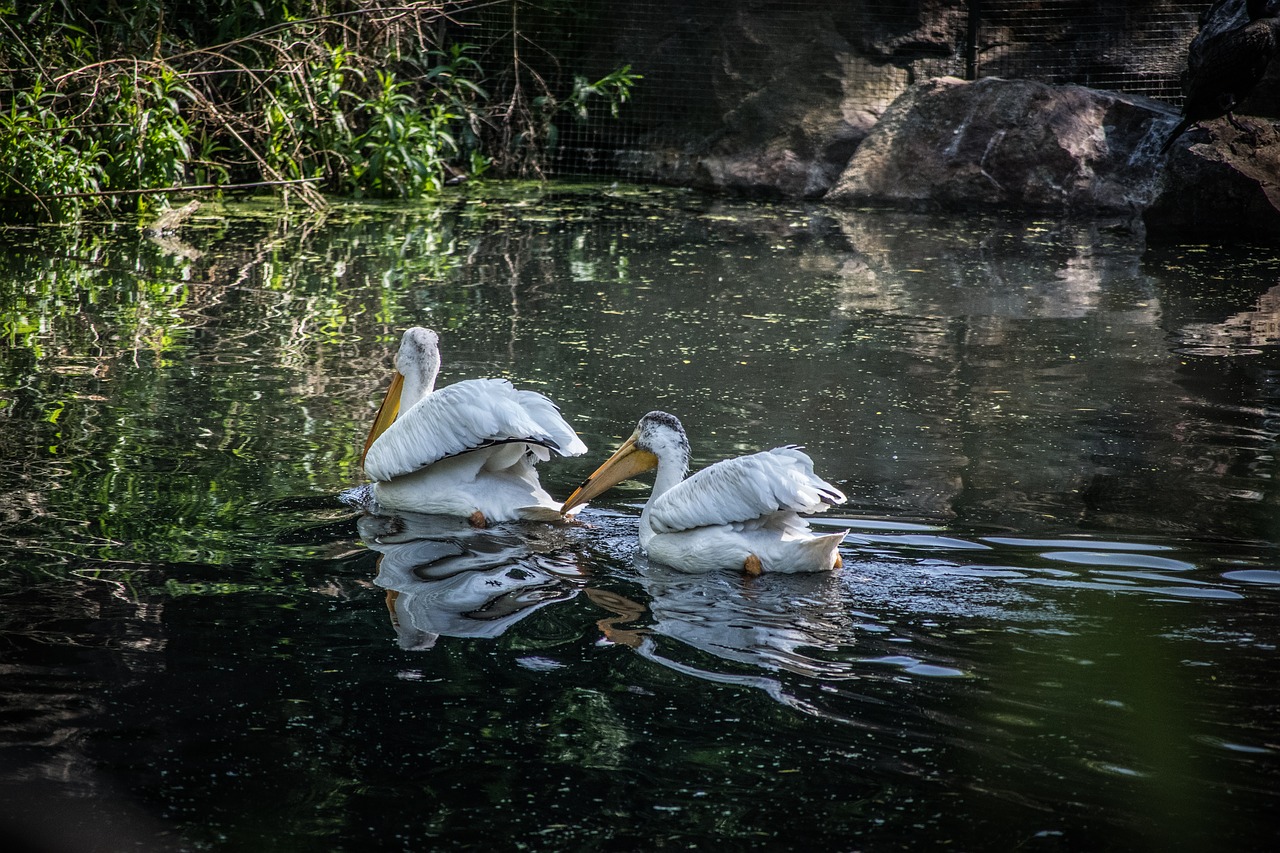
column 743, row 489
column 547, row 415
column 467, row 416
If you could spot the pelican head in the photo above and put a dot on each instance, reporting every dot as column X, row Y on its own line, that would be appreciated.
column 659, row 440
column 418, row 361
column 417, row 366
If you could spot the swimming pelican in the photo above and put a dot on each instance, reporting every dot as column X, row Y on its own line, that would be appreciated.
column 739, row 513
column 467, row 449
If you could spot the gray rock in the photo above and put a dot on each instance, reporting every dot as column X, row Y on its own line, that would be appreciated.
column 769, row 100
column 818, row 100
column 1219, row 181
column 1011, row 144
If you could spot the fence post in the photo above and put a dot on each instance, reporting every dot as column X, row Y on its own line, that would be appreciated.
column 971, row 40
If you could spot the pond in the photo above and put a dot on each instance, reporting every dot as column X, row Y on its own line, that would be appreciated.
column 1054, row 627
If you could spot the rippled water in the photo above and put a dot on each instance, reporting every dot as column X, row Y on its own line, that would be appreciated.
column 1054, row 628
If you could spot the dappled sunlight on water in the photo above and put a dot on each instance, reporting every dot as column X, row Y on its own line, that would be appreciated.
column 1053, row 627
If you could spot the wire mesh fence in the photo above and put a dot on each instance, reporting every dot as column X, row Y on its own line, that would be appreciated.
column 1139, row 48
column 706, row 64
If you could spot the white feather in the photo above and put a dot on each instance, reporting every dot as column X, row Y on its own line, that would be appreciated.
column 743, row 489
column 466, row 416
column 740, row 513
column 468, row 447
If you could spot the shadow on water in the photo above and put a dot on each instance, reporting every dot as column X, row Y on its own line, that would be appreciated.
column 1054, row 627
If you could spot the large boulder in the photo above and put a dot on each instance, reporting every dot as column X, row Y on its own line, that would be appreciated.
column 1066, row 150
column 771, row 99
column 1011, row 144
column 812, row 99
column 763, row 99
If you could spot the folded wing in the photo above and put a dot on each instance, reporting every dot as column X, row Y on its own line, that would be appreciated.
column 742, row 489
column 466, row 416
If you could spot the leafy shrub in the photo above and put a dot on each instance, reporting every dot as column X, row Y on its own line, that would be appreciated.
column 147, row 135
column 363, row 97
column 47, row 165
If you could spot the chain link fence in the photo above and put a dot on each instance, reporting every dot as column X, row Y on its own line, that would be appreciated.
column 702, row 62
column 1138, row 48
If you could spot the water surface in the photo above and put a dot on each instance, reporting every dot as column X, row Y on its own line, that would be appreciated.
column 1054, row 628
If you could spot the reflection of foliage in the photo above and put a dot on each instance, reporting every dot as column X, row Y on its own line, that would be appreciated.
column 157, row 399
column 176, row 498
column 109, row 339
column 591, row 734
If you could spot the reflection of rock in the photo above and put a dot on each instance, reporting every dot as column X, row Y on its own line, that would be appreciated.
column 962, row 311
column 1057, row 271
column 1259, row 327
column 1011, row 143
column 446, row 578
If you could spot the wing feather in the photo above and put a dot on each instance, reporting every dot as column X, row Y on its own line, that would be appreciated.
column 466, row 416
column 743, row 489
column 547, row 415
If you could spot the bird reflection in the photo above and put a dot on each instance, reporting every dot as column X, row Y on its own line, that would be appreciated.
column 444, row 577
column 729, row 629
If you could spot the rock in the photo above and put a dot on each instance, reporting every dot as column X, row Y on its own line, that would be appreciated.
column 1227, row 15
column 1224, row 183
column 765, row 101
column 792, row 139
column 818, row 100
column 1011, row 144
column 1066, row 150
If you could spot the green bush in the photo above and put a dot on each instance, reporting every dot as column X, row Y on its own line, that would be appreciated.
column 146, row 133
column 47, row 163
column 110, row 105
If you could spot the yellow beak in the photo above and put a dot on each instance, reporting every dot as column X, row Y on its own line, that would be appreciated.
column 626, row 462
column 386, row 413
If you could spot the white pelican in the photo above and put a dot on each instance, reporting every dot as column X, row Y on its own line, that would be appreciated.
column 467, row 449
column 739, row 513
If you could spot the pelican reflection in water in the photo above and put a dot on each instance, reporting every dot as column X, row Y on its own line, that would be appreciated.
column 444, row 577
column 719, row 628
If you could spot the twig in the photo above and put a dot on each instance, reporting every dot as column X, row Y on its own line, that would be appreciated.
column 261, row 35
column 157, row 190
column 14, row 178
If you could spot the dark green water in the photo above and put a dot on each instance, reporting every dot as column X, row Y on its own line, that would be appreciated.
column 1054, row 629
